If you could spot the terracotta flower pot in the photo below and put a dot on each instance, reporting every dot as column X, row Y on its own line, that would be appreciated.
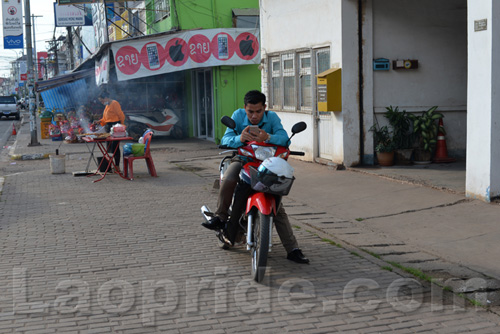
column 385, row 158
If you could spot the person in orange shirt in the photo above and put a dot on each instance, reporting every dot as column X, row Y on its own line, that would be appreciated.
column 112, row 115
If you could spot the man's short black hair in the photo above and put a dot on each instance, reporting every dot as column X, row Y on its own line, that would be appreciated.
column 254, row 97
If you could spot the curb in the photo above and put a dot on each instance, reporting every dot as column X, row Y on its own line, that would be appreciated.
column 37, row 156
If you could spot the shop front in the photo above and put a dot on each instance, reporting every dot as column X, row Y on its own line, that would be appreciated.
column 176, row 84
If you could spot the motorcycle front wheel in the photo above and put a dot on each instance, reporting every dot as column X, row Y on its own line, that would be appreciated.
column 260, row 245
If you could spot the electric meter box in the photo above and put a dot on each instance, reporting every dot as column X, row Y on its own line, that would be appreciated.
column 329, row 90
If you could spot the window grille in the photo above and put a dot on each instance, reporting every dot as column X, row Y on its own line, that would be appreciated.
column 275, row 82
column 291, row 78
column 322, row 60
column 288, row 68
column 305, row 84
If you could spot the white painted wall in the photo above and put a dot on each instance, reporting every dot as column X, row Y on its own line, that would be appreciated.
column 483, row 144
column 296, row 24
column 434, row 33
column 350, row 83
column 368, row 146
column 301, row 141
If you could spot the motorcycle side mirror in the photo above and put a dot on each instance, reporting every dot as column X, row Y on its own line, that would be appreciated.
column 228, row 121
column 299, row 127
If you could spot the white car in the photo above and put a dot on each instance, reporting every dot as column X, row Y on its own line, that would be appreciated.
column 8, row 107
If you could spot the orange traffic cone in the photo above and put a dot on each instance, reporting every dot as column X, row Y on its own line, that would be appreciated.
column 14, row 132
column 441, row 150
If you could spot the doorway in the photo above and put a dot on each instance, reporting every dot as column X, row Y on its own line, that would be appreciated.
column 324, row 119
column 203, row 104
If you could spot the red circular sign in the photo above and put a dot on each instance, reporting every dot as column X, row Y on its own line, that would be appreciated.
column 247, row 46
column 12, row 10
column 222, row 46
column 176, row 51
column 199, row 48
column 152, row 56
column 127, row 60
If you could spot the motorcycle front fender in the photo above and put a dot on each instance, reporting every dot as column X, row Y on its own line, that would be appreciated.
column 265, row 203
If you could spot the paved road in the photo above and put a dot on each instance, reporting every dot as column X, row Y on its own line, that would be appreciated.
column 5, row 130
column 131, row 257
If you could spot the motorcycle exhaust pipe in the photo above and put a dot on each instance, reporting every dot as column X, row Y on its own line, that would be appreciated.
column 206, row 213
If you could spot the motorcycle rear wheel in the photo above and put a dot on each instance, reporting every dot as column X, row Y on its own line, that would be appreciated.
column 260, row 247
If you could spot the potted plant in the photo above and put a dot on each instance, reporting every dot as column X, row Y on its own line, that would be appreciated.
column 402, row 134
column 425, row 128
column 384, row 145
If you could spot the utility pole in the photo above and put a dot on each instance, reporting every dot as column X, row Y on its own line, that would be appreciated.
column 31, row 81
column 70, row 47
column 37, row 95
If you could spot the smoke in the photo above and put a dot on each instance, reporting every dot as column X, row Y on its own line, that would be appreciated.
column 84, row 120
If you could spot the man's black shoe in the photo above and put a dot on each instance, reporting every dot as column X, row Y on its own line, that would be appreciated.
column 297, row 256
column 214, row 224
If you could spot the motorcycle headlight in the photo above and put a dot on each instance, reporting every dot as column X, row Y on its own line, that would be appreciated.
column 264, row 152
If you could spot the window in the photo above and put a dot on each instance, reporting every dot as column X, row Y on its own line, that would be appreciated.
column 162, row 9
column 250, row 22
column 246, row 18
column 291, row 78
column 135, row 24
column 275, row 82
column 305, row 84
column 288, row 72
column 322, row 60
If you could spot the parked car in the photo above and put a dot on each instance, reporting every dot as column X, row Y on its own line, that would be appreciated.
column 8, row 107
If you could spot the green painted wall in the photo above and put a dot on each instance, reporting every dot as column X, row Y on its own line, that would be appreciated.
column 190, row 14
column 230, row 82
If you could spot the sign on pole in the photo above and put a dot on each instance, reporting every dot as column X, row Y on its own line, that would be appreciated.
column 70, row 16
column 12, row 17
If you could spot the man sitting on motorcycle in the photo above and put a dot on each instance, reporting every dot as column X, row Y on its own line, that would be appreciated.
column 270, row 131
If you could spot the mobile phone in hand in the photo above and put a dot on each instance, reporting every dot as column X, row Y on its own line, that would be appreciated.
column 254, row 130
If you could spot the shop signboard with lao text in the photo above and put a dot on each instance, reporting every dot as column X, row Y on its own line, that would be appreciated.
column 186, row 50
column 12, row 22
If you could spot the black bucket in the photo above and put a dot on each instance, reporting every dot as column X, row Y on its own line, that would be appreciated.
column 103, row 165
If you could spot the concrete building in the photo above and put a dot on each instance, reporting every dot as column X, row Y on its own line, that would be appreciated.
column 435, row 53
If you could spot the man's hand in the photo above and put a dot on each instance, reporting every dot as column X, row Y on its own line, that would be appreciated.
column 247, row 136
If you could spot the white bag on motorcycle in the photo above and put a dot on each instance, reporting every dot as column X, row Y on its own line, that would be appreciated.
column 274, row 176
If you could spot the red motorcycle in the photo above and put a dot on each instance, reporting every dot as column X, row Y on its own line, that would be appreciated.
column 264, row 179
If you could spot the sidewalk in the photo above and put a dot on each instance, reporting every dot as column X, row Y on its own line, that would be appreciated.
column 415, row 216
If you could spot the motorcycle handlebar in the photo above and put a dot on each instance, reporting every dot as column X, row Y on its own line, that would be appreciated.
column 297, row 153
column 224, row 147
